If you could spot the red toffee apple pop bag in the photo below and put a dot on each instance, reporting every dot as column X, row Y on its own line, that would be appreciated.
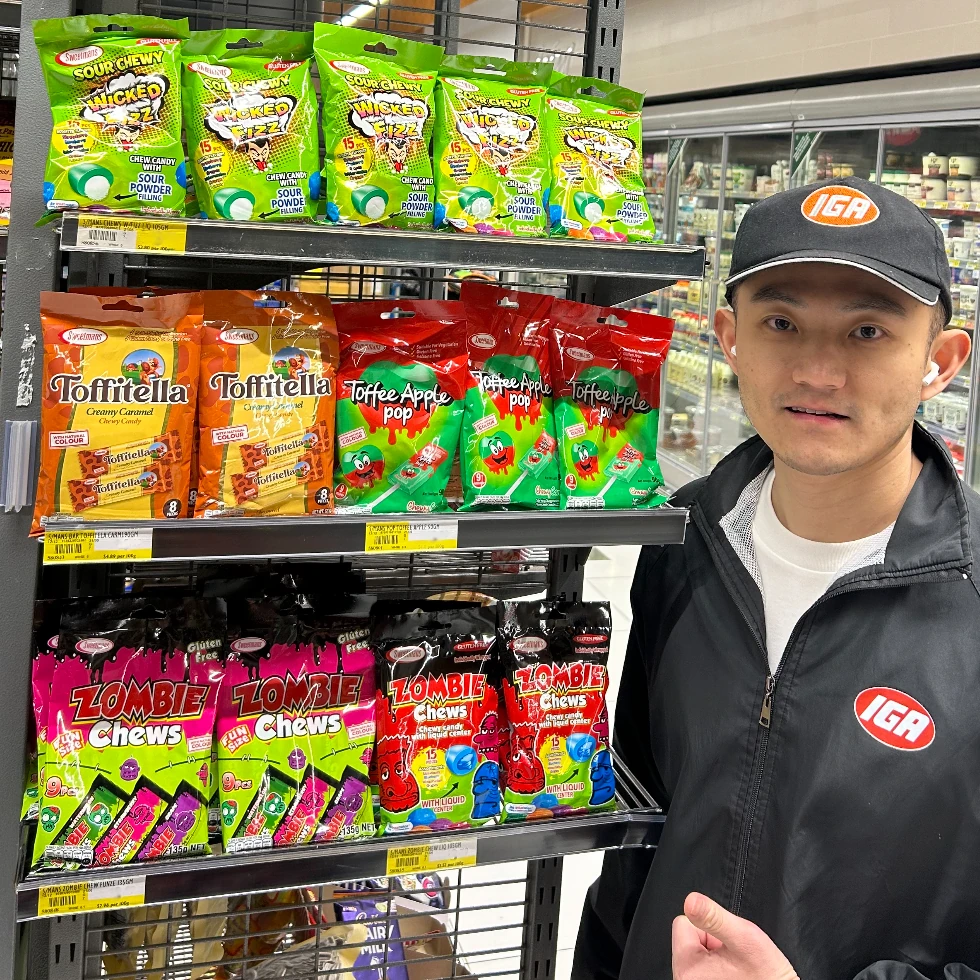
column 402, row 385
column 606, row 366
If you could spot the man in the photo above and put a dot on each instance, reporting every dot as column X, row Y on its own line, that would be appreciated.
column 801, row 685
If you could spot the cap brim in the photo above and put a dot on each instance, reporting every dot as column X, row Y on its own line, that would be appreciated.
column 918, row 289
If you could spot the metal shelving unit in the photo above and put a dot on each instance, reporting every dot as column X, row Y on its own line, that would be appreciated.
column 248, row 538
column 322, row 245
column 512, row 935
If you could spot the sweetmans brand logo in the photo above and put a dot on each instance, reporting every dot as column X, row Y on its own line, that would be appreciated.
column 839, row 206
column 894, row 718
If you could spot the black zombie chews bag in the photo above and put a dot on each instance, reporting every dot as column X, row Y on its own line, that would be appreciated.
column 555, row 748
column 437, row 720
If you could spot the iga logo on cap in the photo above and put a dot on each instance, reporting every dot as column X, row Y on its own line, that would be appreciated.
column 840, row 206
column 894, row 718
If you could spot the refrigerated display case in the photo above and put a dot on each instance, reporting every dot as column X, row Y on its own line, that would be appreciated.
column 929, row 152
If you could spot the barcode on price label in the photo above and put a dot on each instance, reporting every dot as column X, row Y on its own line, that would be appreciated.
column 411, row 535
column 431, row 857
column 90, row 896
column 130, row 234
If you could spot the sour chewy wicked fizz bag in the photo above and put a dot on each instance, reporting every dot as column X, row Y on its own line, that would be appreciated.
column 508, row 449
column 437, row 720
column 250, row 113
column 118, row 406
column 377, row 126
column 595, row 137
column 114, row 86
column 490, row 158
column 268, row 377
column 606, row 372
column 129, row 725
column 403, row 378
column 556, row 748
column 295, row 734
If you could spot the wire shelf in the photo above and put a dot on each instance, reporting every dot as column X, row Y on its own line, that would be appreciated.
column 636, row 822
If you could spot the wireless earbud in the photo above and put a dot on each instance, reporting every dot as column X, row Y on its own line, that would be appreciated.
column 933, row 373
column 733, row 350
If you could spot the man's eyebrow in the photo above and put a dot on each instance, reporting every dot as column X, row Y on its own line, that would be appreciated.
column 875, row 303
column 773, row 294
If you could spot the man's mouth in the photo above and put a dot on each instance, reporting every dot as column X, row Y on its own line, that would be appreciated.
column 820, row 413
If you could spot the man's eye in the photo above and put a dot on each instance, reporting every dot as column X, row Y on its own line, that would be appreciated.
column 780, row 323
column 868, row 332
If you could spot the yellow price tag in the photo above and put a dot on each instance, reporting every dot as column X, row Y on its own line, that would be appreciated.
column 411, row 535
column 131, row 234
column 431, row 857
column 90, row 896
column 97, row 544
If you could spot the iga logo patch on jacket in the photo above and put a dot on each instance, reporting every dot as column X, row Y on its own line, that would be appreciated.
column 894, row 718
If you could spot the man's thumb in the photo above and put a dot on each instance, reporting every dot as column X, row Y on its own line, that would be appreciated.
column 705, row 914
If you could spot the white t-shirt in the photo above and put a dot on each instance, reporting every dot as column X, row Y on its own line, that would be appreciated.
column 795, row 571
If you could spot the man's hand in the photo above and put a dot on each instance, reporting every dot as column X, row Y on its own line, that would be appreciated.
column 709, row 943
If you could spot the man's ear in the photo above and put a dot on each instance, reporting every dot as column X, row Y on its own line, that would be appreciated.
column 950, row 350
column 725, row 332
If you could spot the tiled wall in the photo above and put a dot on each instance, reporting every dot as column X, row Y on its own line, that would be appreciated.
column 674, row 46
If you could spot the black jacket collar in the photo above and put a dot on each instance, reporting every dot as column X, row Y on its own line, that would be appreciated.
column 932, row 532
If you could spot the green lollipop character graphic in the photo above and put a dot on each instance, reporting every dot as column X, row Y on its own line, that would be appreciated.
column 585, row 457
column 363, row 467
column 497, row 451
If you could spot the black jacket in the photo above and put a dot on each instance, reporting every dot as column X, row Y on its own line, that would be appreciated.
column 844, row 849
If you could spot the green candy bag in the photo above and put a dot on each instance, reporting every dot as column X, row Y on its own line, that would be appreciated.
column 377, row 126
column 114, row 86
column 250, row 113
column 508, row 448
column 606, row 365
column 595, row 134
column 490, row 160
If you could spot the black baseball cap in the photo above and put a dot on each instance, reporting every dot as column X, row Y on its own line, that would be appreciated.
column 845, row 221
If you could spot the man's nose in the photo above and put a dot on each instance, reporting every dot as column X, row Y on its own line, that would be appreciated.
column 819, row 366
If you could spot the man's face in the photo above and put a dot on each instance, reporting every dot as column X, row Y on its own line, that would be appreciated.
column 830, row 363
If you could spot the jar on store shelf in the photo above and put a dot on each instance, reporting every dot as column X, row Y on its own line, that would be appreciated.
column 934, row 165
column 963, row 166
column 958, row 189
